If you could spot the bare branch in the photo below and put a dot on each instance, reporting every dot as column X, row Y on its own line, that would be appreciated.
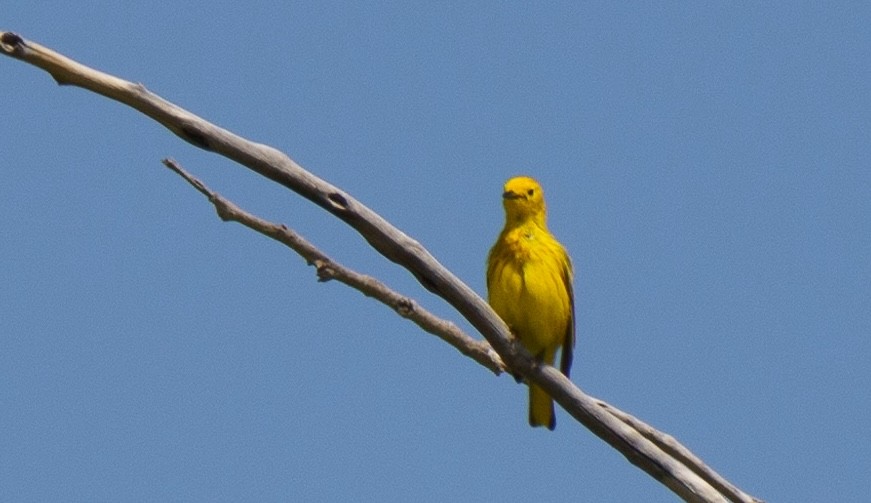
column 328, row 269
column 676, row 450
column 394, row 245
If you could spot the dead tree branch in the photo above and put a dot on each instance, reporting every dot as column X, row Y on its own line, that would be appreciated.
column 685, row 475
column 328, row 269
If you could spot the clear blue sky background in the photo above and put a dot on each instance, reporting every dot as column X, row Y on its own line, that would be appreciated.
column 708, row 167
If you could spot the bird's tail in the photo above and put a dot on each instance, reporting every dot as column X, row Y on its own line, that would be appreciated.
column 540, row 408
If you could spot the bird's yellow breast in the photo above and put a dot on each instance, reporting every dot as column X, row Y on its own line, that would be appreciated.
column 527, row 288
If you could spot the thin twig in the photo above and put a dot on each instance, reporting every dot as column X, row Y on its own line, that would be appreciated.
column 677, row 450
column 328, row 269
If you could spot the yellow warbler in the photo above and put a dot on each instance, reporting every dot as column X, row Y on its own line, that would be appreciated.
column 529, row 285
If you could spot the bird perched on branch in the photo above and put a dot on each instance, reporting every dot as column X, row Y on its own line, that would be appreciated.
column 529, row 285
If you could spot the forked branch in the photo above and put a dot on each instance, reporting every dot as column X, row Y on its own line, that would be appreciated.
column 654, row 452
column 328, row 269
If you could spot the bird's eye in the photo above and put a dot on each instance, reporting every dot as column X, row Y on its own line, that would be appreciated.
column 530, row 192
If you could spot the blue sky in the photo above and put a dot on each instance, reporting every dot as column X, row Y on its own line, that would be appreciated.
column 707, row 166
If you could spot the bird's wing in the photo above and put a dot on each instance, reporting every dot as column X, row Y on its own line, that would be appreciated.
column 569, row 338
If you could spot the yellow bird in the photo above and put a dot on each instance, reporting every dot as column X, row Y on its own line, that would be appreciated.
column 529, row 285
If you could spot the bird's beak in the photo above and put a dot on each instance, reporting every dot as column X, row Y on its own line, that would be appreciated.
column 510, row 195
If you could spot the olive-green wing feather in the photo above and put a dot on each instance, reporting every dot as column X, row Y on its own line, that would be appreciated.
column 569, row 338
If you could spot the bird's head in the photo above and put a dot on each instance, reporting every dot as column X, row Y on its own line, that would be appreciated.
column 523, row 199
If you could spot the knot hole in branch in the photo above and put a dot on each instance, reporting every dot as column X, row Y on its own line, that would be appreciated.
column 193, row 135
column 338, row 201
column 11, row 41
